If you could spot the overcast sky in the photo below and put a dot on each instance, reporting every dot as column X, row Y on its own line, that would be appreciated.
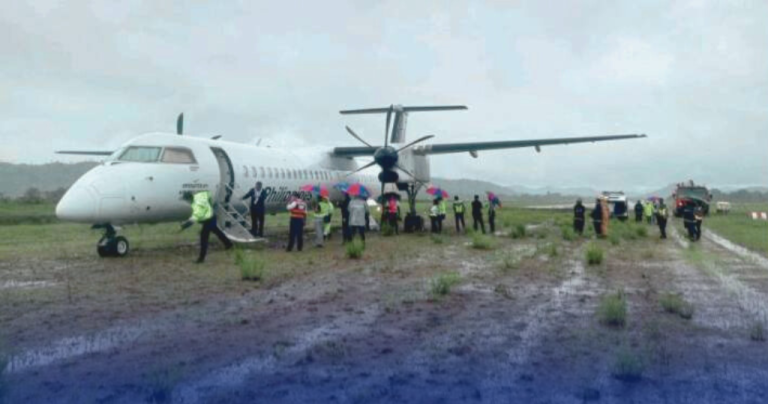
column 693, row 75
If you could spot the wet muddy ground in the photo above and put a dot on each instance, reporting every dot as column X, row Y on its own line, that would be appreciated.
column 520, row 326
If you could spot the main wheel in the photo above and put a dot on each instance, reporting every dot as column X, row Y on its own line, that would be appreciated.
column 121, row 246
column 105, row 247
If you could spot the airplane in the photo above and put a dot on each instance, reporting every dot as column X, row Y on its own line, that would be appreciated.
column 143, row 181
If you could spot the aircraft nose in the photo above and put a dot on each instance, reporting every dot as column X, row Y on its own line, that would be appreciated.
column 77, row 205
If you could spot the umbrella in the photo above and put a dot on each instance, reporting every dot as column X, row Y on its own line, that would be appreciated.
column 493, row 198
column 341, row 186
column 321, row 190
column 653, row 198
column 437, row 192
column 358, row 189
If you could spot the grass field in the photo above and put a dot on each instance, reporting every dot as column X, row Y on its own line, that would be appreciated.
column 740, row 228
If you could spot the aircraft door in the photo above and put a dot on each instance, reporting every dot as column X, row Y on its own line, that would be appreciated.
column 227, row 176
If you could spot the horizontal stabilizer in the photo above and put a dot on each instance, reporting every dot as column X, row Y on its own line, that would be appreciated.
column 403, row 109
column 86, row 152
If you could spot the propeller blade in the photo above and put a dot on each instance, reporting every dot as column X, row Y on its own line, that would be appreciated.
column 217, row 137
column 351, row 132
column 180, row 124
column 361, row 168
column 389, row 118
column 421, row 139
column 399, row 167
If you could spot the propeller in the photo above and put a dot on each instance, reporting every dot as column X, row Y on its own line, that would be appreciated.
column 387, row 156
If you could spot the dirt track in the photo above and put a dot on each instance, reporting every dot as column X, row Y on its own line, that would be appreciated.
column 368, row 332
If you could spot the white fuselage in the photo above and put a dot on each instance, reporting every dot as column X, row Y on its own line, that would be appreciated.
column 143, row 181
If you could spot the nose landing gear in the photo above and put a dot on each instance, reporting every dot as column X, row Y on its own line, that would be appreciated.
column 110, row 244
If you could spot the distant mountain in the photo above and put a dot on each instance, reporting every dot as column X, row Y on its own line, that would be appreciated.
column 15, row 179
column 466, row 188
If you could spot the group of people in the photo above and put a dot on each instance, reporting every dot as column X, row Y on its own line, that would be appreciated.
column 657, row 213
column 437, row 214
column 354, row 220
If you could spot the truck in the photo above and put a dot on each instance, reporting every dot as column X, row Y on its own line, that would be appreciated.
column 686, row 192
column 617, row 202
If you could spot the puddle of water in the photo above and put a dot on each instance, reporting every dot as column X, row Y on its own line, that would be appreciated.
column 71, row 347
column 237, row 374
column 26, row 284
column 736, row 249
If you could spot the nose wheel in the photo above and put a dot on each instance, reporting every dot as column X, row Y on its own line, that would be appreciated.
column 112, row 245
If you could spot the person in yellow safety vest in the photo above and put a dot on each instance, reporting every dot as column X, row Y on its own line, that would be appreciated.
column 434, row 217
column 298, row 211
column 202, row 212
column 458, row 213
column 648, row 211
column 442, row 210
column 323, row 213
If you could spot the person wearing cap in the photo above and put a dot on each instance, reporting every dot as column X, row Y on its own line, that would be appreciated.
column 578, row 217
column 298, row 211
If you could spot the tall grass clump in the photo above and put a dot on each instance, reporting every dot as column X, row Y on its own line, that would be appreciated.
column 614, row 239
column 628, row 366
column 568, row 233
column 437, row 239
column 441, row 285
column 387, row 230
column 518, row 232
column 509, row 262
column 355, row 249
column 594, row 254
column 675, row 304
column 613, row 309
column 756, row 333
column 252, row 268
column 641, row 231
column 482, row 242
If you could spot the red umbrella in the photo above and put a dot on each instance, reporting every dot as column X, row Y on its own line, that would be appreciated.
column 321, row 190
column 358, row 189
column 436, row 191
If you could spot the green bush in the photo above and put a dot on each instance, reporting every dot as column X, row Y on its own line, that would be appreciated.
column 594, row 254
column 628, row 366
column 568, row 233
column 387, row 230
column 482, row 242
column 613, row 309
column 641, row 231
column 518, row 231
column 614, row 239
column 437, row 239
column 355, row 249
column 675, row 304
column 252, row 268
column 441, row 285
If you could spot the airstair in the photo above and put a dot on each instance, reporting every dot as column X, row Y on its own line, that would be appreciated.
column 234, row 219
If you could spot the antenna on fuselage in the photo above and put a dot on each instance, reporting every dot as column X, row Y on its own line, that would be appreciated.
column 180, row 124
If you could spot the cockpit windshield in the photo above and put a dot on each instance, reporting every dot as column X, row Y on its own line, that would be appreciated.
column 140, row 154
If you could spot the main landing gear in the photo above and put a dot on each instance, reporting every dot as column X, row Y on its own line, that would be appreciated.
column 110, row 244
column 413, row 222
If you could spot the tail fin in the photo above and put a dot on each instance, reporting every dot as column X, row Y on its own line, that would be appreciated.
column 401, row 116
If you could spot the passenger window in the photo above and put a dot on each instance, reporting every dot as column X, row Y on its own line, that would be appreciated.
column 140, row 154
column 245, row 171
column 253, row 171
column 262, row 172
column 178, row 155
column 282, row 173
column 269, row 171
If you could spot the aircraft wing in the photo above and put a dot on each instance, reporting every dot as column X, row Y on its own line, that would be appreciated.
column 474, row 147
column 86, row 152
